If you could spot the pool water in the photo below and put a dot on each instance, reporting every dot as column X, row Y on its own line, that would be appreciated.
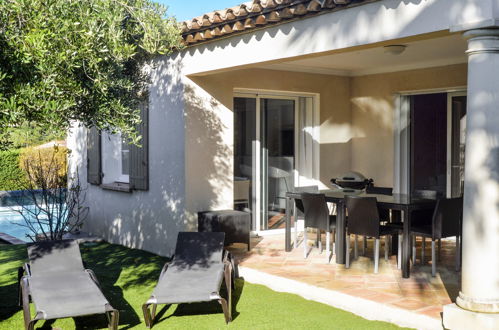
column 9, row 224
column 10, row 220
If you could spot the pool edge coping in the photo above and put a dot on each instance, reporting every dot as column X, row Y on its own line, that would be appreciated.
column 10, row 239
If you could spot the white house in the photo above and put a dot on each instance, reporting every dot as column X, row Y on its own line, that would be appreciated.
column 291, row 92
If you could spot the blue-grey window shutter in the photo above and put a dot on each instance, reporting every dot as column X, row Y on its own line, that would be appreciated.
column 139, row 156
column 94, row 170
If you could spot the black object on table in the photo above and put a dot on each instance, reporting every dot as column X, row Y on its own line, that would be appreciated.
column 235, row 224
column 397, row 202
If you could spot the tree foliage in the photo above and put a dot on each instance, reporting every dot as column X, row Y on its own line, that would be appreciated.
column 12, row 177
column 67, row 60
column 26, row 135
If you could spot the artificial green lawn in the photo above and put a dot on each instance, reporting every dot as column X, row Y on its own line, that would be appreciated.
column 128, row 276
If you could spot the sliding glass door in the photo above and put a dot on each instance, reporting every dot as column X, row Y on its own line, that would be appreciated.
column 437, row 130
column 277, row 134
column 429, row 143
column 272, row 152
column 245, row 146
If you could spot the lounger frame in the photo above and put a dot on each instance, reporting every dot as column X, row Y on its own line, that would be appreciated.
column 150, row 314
column 24, row 275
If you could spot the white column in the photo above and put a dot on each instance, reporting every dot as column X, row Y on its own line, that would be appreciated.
column 479, row 296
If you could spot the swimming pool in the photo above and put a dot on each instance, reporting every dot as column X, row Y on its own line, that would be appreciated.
column 9, row 224
column 10, row 219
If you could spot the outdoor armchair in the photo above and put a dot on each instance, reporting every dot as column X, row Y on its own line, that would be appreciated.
column 195, row 274
column 59, row 286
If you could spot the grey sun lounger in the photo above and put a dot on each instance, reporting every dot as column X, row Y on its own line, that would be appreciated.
column 59, row 285
column 195, row 274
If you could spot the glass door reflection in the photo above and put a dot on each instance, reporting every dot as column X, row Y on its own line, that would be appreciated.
column 245, row 147
column 277, row 136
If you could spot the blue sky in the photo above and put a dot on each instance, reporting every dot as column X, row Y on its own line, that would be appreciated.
column 187, row 9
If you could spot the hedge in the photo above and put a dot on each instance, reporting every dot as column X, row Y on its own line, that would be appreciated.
column 12, row 177
column 47, row 167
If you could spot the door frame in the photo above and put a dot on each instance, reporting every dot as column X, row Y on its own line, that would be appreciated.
column 257, row 189
column 448, row 189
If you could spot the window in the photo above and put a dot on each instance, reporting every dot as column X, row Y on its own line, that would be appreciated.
column 115, row 164
column 115, row 159
column 125, row 161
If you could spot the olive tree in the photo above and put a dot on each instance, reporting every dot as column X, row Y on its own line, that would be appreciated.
column 71, row 60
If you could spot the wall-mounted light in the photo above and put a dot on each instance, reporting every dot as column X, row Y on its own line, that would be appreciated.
column 394, row 49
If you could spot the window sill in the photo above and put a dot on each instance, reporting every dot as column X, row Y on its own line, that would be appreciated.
column 117, row 186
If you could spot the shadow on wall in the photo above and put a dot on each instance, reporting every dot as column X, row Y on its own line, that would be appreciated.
column 150, row 220
column 355, row 26
column 335, row 160
column 209, row 156
column 376, row 114
column 304, row 33
column 77, row 157
column 190, row 164
column 477, row 184
column 361, row 34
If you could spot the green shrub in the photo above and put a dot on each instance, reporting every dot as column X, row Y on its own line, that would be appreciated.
column 45, row 167
column 12, row 177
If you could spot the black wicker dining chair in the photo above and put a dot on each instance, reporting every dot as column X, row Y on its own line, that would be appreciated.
column 298, row 207
column 446, row 221
column 423, row 218
column 363, row 219
column 384, row 214
column 317, row 216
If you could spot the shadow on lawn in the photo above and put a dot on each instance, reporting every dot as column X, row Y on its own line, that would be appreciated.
column 9, row 292
column 9, row 301
column 212, row 307
column 109, row 262
column 113, row 263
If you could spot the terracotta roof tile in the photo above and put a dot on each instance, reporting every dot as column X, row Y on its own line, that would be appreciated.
column 256, row 14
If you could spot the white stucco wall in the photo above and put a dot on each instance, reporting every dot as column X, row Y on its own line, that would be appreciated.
column 148, row 220
column 209, row 135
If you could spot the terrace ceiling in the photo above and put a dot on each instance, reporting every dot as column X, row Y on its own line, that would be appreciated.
column 441, row 51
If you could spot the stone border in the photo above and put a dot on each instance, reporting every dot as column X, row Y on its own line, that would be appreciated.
column 81, row 237
column 10, row 239
column 368, row 309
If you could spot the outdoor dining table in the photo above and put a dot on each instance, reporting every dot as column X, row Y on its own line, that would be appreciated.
column 396, row 202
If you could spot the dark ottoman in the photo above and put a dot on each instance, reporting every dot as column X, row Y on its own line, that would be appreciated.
column 235, row 224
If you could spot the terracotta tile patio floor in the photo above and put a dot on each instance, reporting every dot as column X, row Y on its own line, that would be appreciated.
column 421, row 293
